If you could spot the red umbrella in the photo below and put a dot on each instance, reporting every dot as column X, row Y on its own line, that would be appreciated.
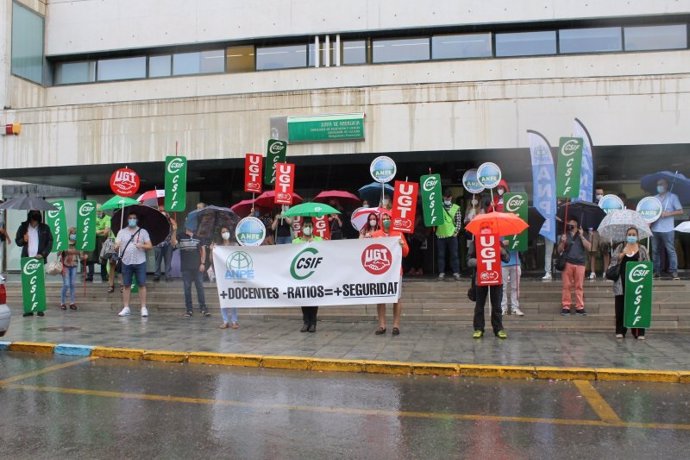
column 151, row 195
column 339, row 195
column 501, row 223
column 242, row 208
column 267, row 199
column 360, row 216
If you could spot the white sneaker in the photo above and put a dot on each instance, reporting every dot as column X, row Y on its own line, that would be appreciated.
column 456, row 276
column 125, row 312
column 546, row 277
column 144, row 312
column 441, row 276
column 517, row 311
column 504, row 312
column 592, row 276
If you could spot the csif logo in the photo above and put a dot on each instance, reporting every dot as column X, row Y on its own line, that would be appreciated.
column 514, row 203
column 305, row 263
column 570, row 147
column 429, row 183
column 638, row 273
column 54, row 214
column 175, row 165
column 31, row 267
column 86, row 209
column 277, row 147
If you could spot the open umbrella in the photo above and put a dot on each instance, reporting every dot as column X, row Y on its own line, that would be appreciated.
column 683, row 227
column 677, row 183
column 118, row 202
column 27, row 203
column 501, row 223
column 589, row 215
column 151, row 195
column 372, row 192
column 616, row 223
column 205, row 222
column 536, row 220
column 310, row 209
column 267, row 199
column 242, row 208
column 360, row 215
column 338, row 195
column 149, row 218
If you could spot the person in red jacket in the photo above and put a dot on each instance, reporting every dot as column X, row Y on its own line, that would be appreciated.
column 497, row 204
column 397, row 307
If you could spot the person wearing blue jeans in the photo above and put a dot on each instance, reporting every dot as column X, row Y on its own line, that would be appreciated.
column 70, row 260
column 447, row 237
column 232, row 321
column 663, row 229
column 192, row 257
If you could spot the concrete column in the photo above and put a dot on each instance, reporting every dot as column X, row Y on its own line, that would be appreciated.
column 337, row 50
column 327, row 46
column 317, row 52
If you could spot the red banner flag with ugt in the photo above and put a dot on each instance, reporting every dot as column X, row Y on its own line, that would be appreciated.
column 488, row 248
column 285, row 183
column 404, row 206
column 253, row 166
column 322, row 227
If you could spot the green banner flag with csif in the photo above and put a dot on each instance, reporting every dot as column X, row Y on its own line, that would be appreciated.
column 33, row 285
column 86, row 225
column 569, row 166
column 638, row 294
column 276, row 152
column 516, row 203
column 57, row 221
column 432, row 201
column 175, row 183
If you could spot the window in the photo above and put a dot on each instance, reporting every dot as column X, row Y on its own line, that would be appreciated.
column 27, row 44
column 75, row 72
column 121, row 69
column 400, row 50
column 591, row 40
column 656, row 37
column 240, row 59
column 354, row 52
column 199, row 62
column 460, row 46
column 322, row 55
column 281, row 57
column 526, row 43
column 160, row 66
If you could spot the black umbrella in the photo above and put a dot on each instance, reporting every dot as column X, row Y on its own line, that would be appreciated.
column 209, row 220
column 149, row 218
column 588, row 214
column 535, row 221
column 28, row 203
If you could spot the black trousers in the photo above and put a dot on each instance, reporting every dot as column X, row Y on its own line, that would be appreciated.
column 309, row 314
column 496, row 294
column 619, row 302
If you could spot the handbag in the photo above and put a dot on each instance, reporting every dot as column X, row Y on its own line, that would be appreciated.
column 560, row 262
column 613, row 272
column 107, row 249
column 54, row 268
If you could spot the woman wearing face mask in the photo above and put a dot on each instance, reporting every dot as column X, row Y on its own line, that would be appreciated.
column 497, row 204
column 308, row 313
column 371, row 226
column 228, row 322
column 70, row 261
column 630, row 251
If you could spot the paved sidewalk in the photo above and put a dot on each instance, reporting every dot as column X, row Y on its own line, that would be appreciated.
column 418, row 342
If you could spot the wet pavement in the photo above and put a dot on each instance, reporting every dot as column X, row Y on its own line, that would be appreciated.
column 60, row 407
column 418, row 342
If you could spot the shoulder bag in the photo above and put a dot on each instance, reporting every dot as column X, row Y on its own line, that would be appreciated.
column 118, row 261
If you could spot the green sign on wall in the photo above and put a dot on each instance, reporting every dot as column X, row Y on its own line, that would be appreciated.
column 324, row 128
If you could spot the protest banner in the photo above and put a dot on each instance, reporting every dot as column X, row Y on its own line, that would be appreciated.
column 404, row 206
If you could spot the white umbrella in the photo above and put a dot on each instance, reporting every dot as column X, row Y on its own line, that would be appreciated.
column 616, row 224
column 361, row 215
column 683, row 227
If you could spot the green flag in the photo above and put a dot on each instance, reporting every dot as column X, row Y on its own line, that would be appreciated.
column 432, row 201
column 175, row 184
column 516, row 203
column 57, row 222
column 86, row 225
column 569, row 165
column 33, row 285
column 638, row 294
column 276, row 152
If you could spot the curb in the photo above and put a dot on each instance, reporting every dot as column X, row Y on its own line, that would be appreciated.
column 356, row 365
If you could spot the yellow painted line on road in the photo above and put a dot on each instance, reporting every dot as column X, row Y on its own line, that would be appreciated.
column 597, row 402
column 346, row 410
column 45, row 370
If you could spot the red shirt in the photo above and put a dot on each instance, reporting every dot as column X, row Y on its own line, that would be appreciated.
column 381, row 233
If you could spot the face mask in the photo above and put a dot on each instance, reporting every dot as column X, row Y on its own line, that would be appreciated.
column 73, row 237
column 386, row 225
column 631, row 239
column 132, row 222
column 599, row 197
column 446, row 202
column 660, row 189
column 306, row 231
column 225, row 235
column 500, row 192
column 372, row 223
column 475, row 202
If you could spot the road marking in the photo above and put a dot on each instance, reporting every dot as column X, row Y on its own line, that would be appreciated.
column 597, row 402
column 347, row 410
column 45, row 370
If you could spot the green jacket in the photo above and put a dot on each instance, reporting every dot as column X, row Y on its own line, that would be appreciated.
column 447, row 229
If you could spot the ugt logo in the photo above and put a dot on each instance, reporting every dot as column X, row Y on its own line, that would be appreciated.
column 377, row 259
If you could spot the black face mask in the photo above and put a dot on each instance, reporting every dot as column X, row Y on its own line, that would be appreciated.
column 571, row 228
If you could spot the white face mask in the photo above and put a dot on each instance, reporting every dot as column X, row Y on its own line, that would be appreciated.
column 475, row 202
column 500, row 192
column 306, row 231
column 599, row 197
column 225, row 235
column 447, row 202
column 372, row 223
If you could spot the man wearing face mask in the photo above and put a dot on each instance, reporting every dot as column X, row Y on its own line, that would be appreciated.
column 447, row 237
column 575, row 245
column 131, row 244
column 192, row 266
column 35, row 239
column 308, row 313
column 664, row 236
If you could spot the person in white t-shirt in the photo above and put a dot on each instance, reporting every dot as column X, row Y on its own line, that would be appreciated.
column 131, row 244
column 664, row 236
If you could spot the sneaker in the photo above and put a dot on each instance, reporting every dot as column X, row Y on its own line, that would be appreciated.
column 675, row 276
column 546, row 277
column 581, row 312
column 619, row 336
column 565, row 311
column 640, row 337
column 144, row 312
column 441, row 276
column 456, row 276
column 125, row 312
column 502, row 334
column 592, row 276
column 205, row 313
column 518, row 312
column 477, row 334
column 504, row 312
column 657, row 276
column 187, row 314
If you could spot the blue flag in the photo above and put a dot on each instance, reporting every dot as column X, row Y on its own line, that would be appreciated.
column 587, row 168
column 544, row 182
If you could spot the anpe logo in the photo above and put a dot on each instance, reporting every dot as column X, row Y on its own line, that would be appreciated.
column 430, row 183
column 514, row 203
column 383, row 169
column 239, row 266
column 250, row 231
column 85, row 209
column 638, row 273
column 570, row 147
column 305, row 263
column 175, row 165
column 31, row 267
column 377, row 259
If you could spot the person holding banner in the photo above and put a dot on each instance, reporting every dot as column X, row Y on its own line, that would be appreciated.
column 447, row 237
column 35, row 239
column 308, row 313
column 282, row 227
column 230, row 322
column 575, row 245
column 630, row 251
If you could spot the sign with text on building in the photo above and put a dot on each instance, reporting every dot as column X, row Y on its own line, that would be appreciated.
column 516, row 203
column 57, row 221
column 638, row 294
column 175, row 183
column 569, row 167
column 325, row 128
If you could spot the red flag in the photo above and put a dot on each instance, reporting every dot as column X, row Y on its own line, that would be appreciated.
column 404, row 206
column 253, row 167
column 297, row 226
column 488, row 248
column 322, row 227
column 285, row 183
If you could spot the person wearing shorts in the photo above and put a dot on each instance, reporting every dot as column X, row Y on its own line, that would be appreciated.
column 131, row 244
